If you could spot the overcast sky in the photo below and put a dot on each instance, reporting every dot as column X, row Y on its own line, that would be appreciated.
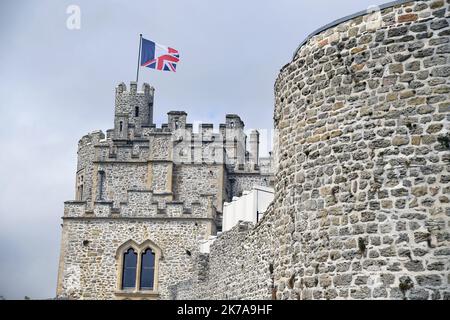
column 58, row 84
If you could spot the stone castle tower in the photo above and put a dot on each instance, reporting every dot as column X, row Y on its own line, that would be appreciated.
column 365, row 190
column 362, row 185
column 362, row 182
column 150, row 194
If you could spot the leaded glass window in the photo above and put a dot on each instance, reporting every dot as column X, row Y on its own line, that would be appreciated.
column 129, row 269
column 147, row 269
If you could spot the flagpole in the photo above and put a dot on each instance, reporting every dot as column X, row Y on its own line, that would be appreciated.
column 139, row 58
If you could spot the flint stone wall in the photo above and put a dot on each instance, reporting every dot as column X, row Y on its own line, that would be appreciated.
column 363, row 178
column 191, row 181
column 361, row 207
column 239, row 265
column 246, row 181
column 91, row 268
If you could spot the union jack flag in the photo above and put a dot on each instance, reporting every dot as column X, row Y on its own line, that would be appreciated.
column 157, row 56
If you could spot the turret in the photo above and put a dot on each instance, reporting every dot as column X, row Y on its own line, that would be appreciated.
column 235, row 140
column 133, row 110
column 254, row 147
column 85, row 171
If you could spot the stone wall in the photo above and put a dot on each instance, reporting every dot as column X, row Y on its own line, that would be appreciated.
column 239, row 265
column 193, row 180
column 266, row 165
column 240, row 182
column 90, row 266
column 120, row 177
column 362, row 188
column 361, row 207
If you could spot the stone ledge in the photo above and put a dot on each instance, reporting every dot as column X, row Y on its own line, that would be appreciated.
column 137, row 294
column 119, row 161
column 190, row 218
column 103, row 202
column 255, row 173
column 160, row 160
column 122, row 146
column 74, row 202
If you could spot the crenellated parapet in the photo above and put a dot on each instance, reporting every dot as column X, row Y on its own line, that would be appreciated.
column 74, row 209
column 140, row 155
column 143, row 204
column 133, row 110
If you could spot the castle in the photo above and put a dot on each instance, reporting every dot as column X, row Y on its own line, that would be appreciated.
column 362, row 180
column 154, row 190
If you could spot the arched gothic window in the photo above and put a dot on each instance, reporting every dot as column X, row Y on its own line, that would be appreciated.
column 147, row 269
column 138, row 269
column 129, row 269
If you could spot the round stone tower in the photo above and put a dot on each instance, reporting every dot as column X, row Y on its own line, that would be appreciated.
column 363, row 184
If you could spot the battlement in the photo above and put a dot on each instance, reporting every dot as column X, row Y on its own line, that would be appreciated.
column 136, row 153
column 93, row 138
column 136, row 140
column 234, row 121
column 143, row 204
column 146, row 89
column 133, row 110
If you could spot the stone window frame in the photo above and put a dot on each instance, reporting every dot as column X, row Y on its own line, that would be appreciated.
column 137, row 292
